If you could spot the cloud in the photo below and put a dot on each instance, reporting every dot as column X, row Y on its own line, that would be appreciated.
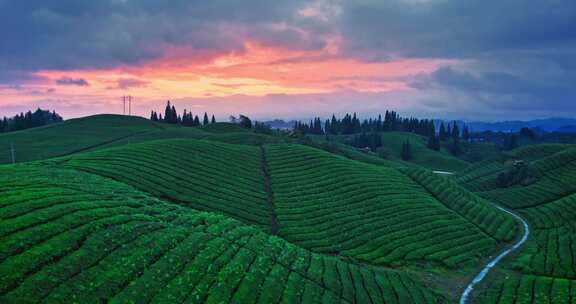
column 508, row 55
column 535, row 91
column 454, row 28
column 67, row 81
column 63, row 34
column 127, row 83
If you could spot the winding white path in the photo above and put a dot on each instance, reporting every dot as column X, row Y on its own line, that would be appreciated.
column 480, row 276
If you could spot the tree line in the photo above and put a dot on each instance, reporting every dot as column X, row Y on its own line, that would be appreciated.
column 29, row 120
column 187, row 119
column 449, row 134
column 351, row 124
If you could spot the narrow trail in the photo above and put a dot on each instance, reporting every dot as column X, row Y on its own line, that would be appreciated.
column 482, row 274
column 274, row 226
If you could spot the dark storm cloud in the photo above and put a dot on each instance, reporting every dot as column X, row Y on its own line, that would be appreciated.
column 516, row 52
column 72, row 82
column 66, row 34
column 456, row 28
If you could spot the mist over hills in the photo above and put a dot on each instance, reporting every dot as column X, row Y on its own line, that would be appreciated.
column 554, row 124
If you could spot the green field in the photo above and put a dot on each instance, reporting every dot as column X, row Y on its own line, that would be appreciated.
column 545, row 270
column 123, row 210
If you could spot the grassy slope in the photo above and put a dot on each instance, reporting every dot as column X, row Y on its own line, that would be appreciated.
column 71, row 136
column 544, row 271
column 104, row 131
column 72, row 236
column 434, row 160
column 422, row 156
column 204, row 175
column 334, row 205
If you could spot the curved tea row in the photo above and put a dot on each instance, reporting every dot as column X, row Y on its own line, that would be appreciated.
column 72, row 236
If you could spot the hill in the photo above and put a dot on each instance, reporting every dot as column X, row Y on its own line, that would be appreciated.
column 422, row 155
column 71, row 136
column 545, row 270
column 230, row 179
column 100, row 240
column 104, row 131
column 136, row 211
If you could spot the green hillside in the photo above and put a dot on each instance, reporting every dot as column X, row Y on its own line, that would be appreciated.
column 377, row 215
column 72, row 136
column 100, row 240
column 104, row 131
column 204, row 175
column 422, row 155
column 123, row 210
column 545, row 270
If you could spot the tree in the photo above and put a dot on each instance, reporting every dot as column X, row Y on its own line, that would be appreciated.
column 170, row 115
column 511, row 142
column 260, row 127
column 455, row 131
column 154, row 116
column 455, row 147
column 442, row 133
column 434, row 143
column 29, row 120
column 174, row 115
column 245, row 122
column 213, row 119
column 205, row 121
column 406, row 151
column 466, row 134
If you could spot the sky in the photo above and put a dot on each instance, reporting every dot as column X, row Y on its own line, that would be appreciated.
column 450, row 59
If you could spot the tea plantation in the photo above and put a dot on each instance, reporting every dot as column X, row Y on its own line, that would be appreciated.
column 544, row 271
column 124, row 210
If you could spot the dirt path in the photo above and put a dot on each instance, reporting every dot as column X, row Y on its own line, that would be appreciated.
column 482, row 274
column 274, row 226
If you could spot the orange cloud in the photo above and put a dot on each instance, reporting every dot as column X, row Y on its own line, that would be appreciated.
column 256, row 71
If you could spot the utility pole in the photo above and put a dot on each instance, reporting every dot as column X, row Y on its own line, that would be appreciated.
column 130, row 105
column 123, row 105
column 12, row 153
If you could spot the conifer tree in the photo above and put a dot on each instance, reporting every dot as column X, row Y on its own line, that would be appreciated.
column 466, row 134
column 455, row 131
column 213, row 119
column 406, row 151
column 434, row 143
column 168, row 113
column 205, row 121
column 442, row 133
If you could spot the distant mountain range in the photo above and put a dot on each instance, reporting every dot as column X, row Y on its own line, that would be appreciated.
column 564, row 125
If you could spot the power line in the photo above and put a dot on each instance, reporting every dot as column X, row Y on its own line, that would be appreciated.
column 129, row 99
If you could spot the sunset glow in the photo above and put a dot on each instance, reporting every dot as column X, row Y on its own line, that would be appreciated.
column 199, row 56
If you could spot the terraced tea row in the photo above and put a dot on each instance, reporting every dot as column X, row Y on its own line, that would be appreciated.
column 377, row 215
column 516, row 288
column 68, row 236
column 557, row 180
column 200, row 174
column 475, row 209
column 483, row 176
column 544, row 271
